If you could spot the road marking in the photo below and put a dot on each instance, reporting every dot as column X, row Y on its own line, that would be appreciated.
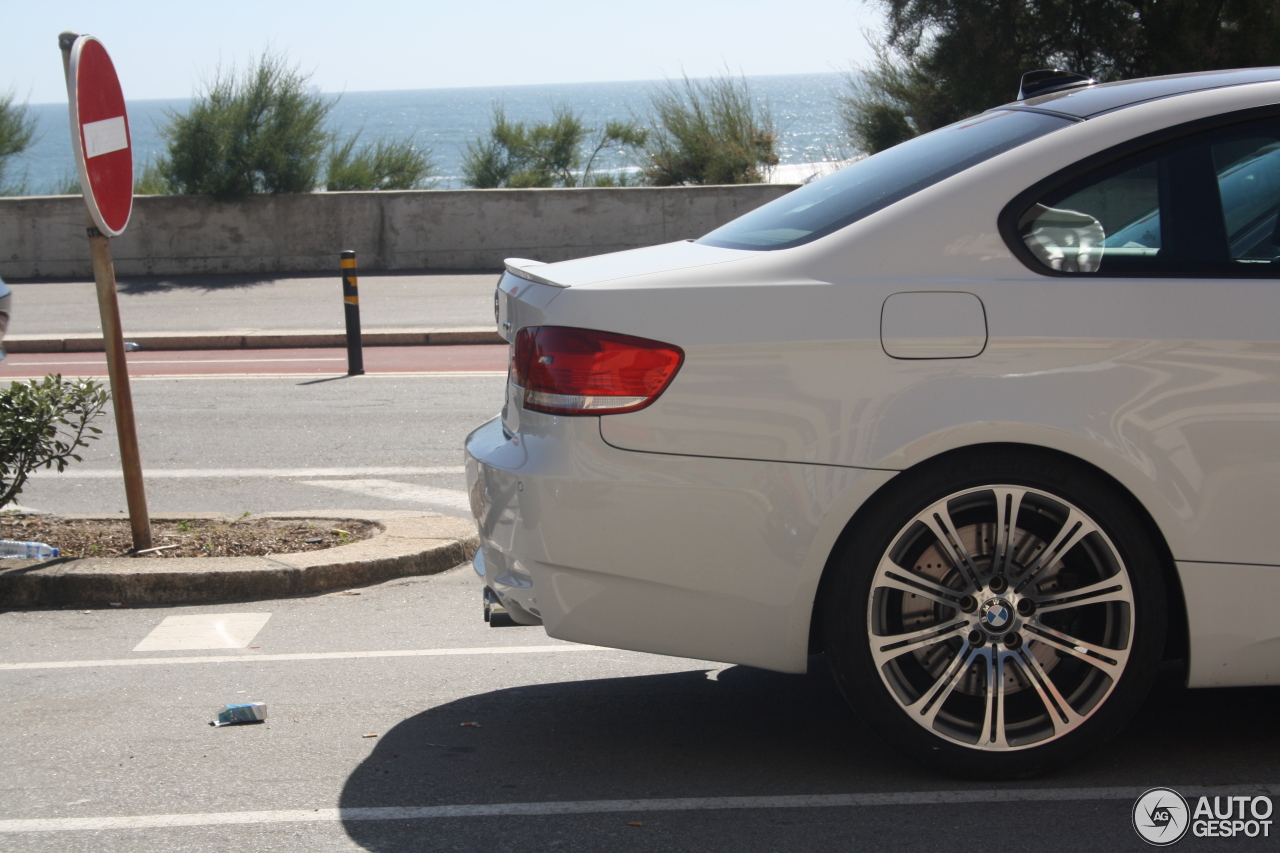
column 254, row 658
column 681, row 804
column 196, row 473
column 372, row 374
column 203, row 631
column 16, row 375
column 144, row 361
column 393, row 491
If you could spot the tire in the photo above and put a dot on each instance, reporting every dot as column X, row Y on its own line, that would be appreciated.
column 991, row 650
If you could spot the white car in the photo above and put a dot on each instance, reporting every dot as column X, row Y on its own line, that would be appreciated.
column 992, row 418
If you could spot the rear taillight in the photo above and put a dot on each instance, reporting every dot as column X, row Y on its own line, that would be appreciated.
column 584, row 372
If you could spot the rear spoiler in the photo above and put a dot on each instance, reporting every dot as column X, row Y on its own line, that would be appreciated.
column 520, row 267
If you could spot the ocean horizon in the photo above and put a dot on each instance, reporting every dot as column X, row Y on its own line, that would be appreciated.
column 445, row 120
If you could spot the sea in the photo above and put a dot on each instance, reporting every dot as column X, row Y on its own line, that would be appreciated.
column 803, row 107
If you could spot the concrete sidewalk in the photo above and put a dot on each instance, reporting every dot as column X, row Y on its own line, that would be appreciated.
column 250, row 312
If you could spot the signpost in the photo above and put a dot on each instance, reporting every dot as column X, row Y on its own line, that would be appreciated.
column 104, row 159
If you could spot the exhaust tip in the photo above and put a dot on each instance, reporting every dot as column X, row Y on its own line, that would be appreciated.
column 491, row 605
column 495, row 613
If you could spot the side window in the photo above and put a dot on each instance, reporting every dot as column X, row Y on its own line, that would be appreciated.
column 1201, row 205
column 1111, row 216
column 1249, row 185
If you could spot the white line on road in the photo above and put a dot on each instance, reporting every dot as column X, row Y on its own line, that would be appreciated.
column 629, row 807
column 196, row 473
column 102, row 361
column 16, row 375
column 393, row 491
column 388, row 374
column 252, row 658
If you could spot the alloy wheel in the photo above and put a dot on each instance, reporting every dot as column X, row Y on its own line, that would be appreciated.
column 1000, row 618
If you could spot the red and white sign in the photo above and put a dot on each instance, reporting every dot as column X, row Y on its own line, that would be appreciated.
column 100, row 135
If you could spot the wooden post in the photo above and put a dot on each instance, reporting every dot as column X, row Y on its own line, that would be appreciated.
column 104, row 276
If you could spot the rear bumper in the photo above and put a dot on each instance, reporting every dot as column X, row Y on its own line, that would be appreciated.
column 714, row 559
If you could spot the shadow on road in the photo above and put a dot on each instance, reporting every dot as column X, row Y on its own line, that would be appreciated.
column 746, row 733
column 325, row 379
column 141, row 285
column 144, row 285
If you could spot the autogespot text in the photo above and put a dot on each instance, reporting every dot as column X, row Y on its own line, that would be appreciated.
column 1231, row 817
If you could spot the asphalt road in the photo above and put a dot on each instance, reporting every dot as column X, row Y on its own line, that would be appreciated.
column 280, row 443
column 106, row 748
column 329, row 361
column 246, row 303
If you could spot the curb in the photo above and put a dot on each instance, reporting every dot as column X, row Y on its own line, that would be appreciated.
column 301, row 339
column 410, row 543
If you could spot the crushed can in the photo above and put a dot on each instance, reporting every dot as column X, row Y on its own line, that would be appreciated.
column 241, row 712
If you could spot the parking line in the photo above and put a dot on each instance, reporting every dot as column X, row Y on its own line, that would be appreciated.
column 391, row 490
column 253, row 658
column 238, row 473
column 18, row 376
column 628, row 807
column 102, row 362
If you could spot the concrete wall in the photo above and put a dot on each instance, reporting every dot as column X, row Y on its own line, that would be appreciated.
column 43, row 237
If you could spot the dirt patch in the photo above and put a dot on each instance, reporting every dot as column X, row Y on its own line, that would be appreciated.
column 248, row 537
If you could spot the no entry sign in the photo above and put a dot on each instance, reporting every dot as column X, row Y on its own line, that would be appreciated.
column 104, row 158
column 100, row 135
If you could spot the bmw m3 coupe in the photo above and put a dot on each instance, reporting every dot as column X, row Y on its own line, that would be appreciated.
column 991, row 418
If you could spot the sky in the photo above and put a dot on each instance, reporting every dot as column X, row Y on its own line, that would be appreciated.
column 167, row 49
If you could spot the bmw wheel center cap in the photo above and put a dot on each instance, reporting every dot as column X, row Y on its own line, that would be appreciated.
column 996, row 615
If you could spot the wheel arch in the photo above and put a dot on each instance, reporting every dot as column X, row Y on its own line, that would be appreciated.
column 1177, row 638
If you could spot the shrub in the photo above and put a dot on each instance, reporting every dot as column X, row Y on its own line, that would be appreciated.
column 261, row 131
column 384, row 164
column 888, row 102
column 150, row 179
column 17, row 132
column 42, row 424
column 709, row 132
column 559, row 153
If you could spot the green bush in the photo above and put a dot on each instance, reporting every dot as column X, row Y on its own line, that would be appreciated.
column 17, row 132
column 384, row 164
column 150, row 179
column 887, row 103
column 42, row 424
column 558, row 153
column 260, row 131
column 709, row 132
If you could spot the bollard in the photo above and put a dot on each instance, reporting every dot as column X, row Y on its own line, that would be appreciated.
column 351, row 298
